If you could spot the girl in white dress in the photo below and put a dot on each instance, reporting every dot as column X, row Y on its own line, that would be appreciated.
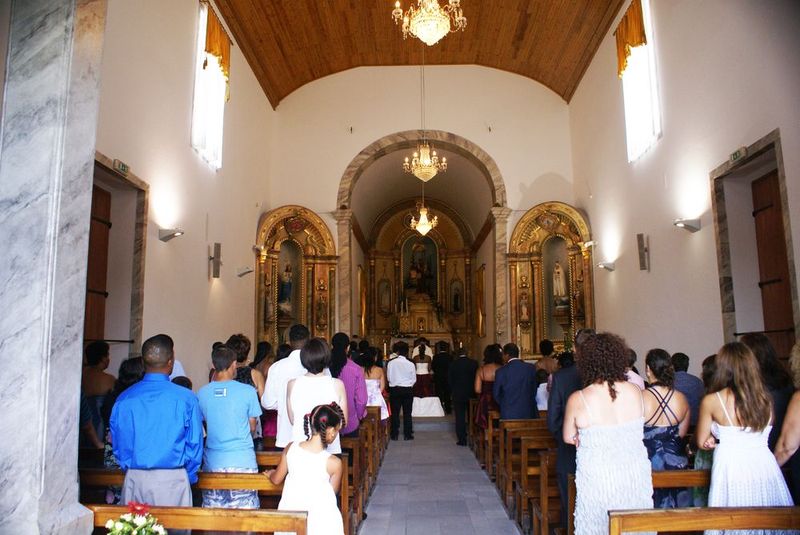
column 735, row 421
column 376, row 382
column 313, row 389
column 313, row 475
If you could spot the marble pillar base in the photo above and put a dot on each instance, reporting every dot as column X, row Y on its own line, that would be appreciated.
column 73, row 518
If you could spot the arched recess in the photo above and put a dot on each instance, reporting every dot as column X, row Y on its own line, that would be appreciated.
column 440, row 140
column 538, row 302
column 408, row 140
column 298, row 232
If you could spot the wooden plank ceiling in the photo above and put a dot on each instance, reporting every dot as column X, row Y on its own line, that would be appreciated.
column 289, row 43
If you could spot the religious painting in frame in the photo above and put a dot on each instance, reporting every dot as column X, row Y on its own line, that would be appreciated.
column 385, row 297
column 456, row 297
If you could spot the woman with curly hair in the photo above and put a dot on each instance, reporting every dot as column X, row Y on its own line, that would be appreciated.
column 789, row 441
column 735, row 421
column 605, row 422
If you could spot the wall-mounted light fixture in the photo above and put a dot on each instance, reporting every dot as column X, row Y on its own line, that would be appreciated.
column 590, row 243
column 692, row 225
column 608, row 266
column 216, row 260
column 244, row 270
column 259, row 249
column 166, row 234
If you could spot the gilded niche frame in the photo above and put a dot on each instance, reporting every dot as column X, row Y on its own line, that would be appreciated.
column 532, row 307
column 317, row 277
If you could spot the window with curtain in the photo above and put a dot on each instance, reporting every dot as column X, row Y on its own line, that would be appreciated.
column 636, row 67
column 210, row 87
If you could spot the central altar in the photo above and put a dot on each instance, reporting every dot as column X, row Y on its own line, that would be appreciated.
column 421, row 318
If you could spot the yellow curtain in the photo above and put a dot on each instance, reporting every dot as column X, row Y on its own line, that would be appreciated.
column 630, row 34
column 218, row 44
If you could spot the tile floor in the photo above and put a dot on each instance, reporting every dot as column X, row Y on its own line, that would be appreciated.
column 430, row 486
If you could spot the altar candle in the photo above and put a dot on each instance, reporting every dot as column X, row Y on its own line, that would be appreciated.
column 460, row 344
column 384, row 348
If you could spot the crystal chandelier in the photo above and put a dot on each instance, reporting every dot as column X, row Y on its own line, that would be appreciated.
column 424, row 163
column 423, row 225
column 430, row 22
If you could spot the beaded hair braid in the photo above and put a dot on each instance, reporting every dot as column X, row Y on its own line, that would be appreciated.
column 321, row 418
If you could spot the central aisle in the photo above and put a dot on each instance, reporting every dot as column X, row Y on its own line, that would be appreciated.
column 430, row 486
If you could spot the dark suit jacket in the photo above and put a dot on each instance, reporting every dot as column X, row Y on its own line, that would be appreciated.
column 515, row 387
column 441, row 367
column 462, row 378
column 565, row 383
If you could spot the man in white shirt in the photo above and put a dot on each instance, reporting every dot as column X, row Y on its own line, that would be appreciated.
column 401, row 375
column 278, row 377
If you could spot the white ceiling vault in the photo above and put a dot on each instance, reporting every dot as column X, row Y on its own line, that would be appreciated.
column 463, row 187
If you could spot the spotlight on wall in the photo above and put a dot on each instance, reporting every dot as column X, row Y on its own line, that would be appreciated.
column 589, row 243
column 608, row 266
column 259, row 249
column 692, row 225
column 166, row 234
column 244, row 270
column 216, row 260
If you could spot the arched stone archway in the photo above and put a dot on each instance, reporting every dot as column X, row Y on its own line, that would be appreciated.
column 499, row 213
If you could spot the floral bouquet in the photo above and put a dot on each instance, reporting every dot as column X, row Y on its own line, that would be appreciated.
column 138, row 521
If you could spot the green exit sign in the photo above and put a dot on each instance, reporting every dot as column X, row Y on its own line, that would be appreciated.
column 121, row 167
column 738, row 154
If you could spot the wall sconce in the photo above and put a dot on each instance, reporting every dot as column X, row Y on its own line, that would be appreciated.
column 608, row 266
column 590, row 243
column 244, row 270
column 692, row 225
column 166, row 234
column 259, row 249
column 216, row 260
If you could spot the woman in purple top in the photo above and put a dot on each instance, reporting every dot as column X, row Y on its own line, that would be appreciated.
column 355, row 385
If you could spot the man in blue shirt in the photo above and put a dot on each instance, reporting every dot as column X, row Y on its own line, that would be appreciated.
column 230, row 410
column 157, row 432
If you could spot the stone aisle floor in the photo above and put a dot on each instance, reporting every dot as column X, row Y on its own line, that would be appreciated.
column 430, row 486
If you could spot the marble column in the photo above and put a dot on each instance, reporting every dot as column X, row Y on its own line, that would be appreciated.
column 502, row 325
column 344, row 228
column 47, row 149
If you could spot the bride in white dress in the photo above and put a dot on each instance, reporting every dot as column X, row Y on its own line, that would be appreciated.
column 735, row 421
column 605, row 422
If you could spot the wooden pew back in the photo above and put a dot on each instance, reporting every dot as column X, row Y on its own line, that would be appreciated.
column 701, row 518
column 237, row 520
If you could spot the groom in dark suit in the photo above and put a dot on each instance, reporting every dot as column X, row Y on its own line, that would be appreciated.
column 515, row 387
column 462, row 383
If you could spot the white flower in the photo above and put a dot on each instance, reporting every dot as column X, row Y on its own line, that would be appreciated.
column 127, row 517
column 118, row 525
column 139, row 520
column 159, row 529
column 110, row 524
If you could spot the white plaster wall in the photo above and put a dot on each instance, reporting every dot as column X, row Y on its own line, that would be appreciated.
column 529, row 136
column 729, row 74
column 145, row 120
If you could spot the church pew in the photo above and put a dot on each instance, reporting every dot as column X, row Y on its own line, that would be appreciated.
column 236, row 520
column 701, row 518
column 355, row 477
column 508, row 457
column 92, row 477
column 526, row 484
column 545, row 509
column 472, row 429
column 662, row 479
column 491, row 436
column 371, row 425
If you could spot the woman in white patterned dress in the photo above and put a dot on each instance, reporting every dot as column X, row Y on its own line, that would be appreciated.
column 605, row 422
column 735, row 421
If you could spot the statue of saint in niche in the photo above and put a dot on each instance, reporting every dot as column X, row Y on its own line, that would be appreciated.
column 559, row 281
column 285, row 290
column 524, row 308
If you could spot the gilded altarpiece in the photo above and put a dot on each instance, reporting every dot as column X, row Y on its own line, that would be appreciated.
column 296, row 274
column 420, row 286
column 550, row 269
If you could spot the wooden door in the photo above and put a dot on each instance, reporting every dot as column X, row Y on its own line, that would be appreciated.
column 773, row 263
column 96, row 274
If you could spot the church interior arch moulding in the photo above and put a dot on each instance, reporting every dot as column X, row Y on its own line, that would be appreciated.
column 550, row 269
column 295, row 275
